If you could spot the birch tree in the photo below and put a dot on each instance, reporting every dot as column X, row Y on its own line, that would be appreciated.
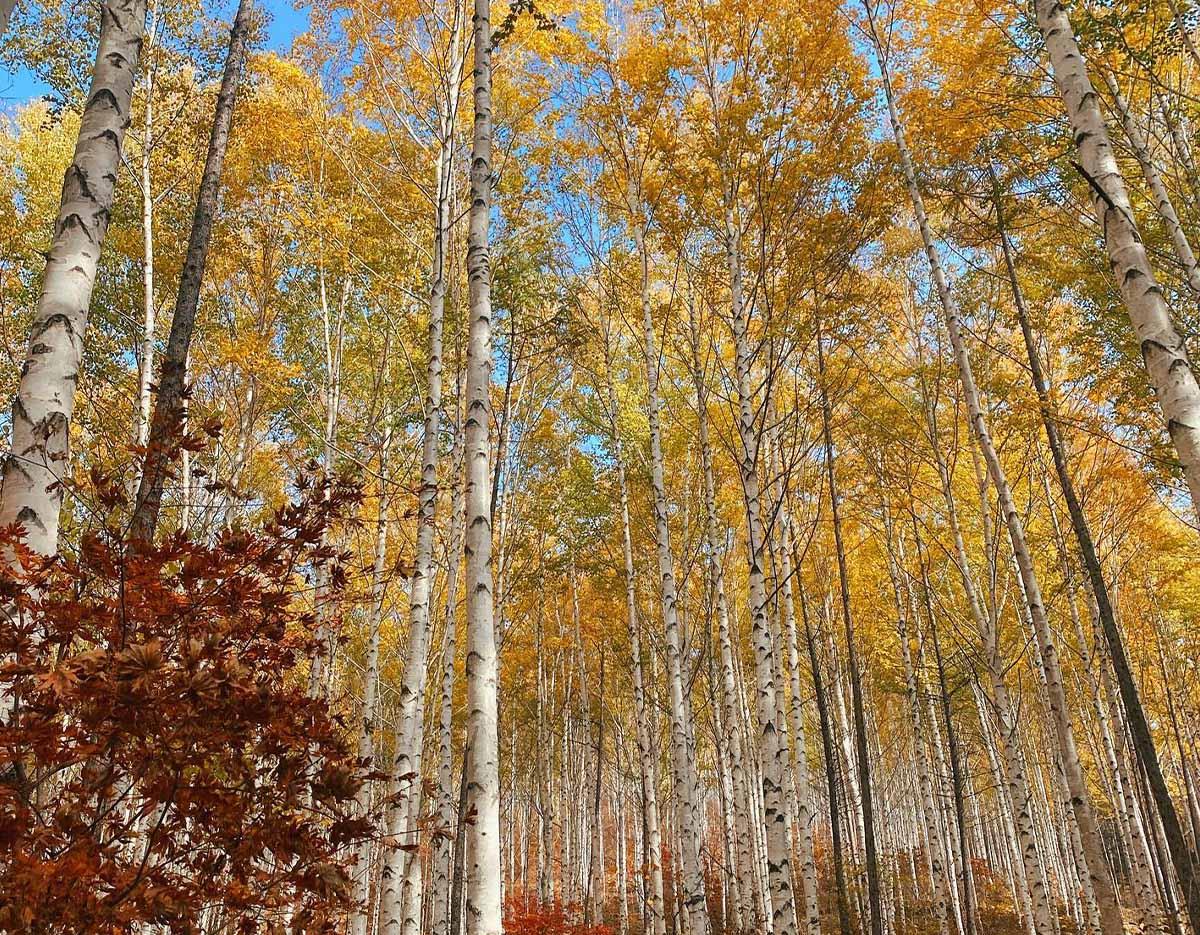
column 36, row 472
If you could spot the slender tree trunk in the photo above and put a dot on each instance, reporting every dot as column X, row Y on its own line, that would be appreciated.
column 654, row 915
column 1163, row 350
column 1085, row 818
column 856, row 694
column 459, row 871
column 743, row 868
column 368, row 717
column 770, row 729
column 1182, row 858
column 168, row 408
column 483, row 836
column 1158, row 191
column 149, row 306
column 38, row 466
column 831, row 774
column 401, row 910
column 442, row 849
column 1016, row 782
column 966, row 881
column 804, row 817
column 939, row 873
column 684, row 771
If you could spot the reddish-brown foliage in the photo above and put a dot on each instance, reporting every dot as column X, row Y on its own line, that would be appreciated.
column 159, row 755
column 525, row 917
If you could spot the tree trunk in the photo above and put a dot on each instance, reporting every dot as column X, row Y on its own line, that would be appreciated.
column 831, row 774
column 38, row 467
column 483, row 835
column 856, row 695
column 168, row 408
column 402, row 867
column 1085, row 818
column 369, row 714
column 149, row 306
column 804, row 817
column 1158, row 191
column 1183, row 860
column 770, row 729
column 743, row 867
column 1163, row 350
column 684, row 768
column 655, row 898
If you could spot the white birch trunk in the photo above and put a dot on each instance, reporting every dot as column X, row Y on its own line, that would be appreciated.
column 747, row 903
column 684, row 771
column 35, row 472
column 1158, row 191
column 771, row 748
column 483, row 888
column 1163, row 350
column 401, row 912
column 368, row 716
column 1089, row 831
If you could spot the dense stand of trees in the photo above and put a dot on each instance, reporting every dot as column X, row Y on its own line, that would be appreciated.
column 684, row 468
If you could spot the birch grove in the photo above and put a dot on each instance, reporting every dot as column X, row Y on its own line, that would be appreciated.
column 681, row 469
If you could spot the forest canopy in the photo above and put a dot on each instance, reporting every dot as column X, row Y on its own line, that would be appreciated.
column 600, row 468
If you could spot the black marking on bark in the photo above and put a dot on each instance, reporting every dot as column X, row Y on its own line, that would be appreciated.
column 28, row 518
column 58, row 318
column 103, row 94
column 1150, row 344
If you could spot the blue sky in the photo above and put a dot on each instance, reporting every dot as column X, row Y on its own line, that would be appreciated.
column 287, row 21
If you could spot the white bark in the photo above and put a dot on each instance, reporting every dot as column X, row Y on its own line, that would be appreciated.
column 1158, row 190
column 368, row 715
column 804, row 816
column 38, row 466
column 401, row 911
column 1085, row 819
column 747, row 904
column 441, row 857
column 684, row 768
column 149, row 306
column 483, row 889
column 772, row 749
column 1163, row 350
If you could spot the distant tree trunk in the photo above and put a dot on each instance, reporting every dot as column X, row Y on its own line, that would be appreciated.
column 402, row 910
column 804, row 817
column 483, row 835
column 874, row 898
column 1182, row 858
column 772, row 749
column 1158, row 191
column 6, row 10
column 168, row 408
column 655, row 897
column 684, row 771
column 332, row 331
column 368, row 716
column 831, row 774
column 966, row 882
column 38, row 466
column 1163, row 349
column 1010, row 759
column 149, row 306
column 1085, row 818
column 939, row 873
column 442, row 850
column 748, row 904
column 458, row 873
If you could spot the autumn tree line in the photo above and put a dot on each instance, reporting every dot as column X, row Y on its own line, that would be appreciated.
column 597, row 468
